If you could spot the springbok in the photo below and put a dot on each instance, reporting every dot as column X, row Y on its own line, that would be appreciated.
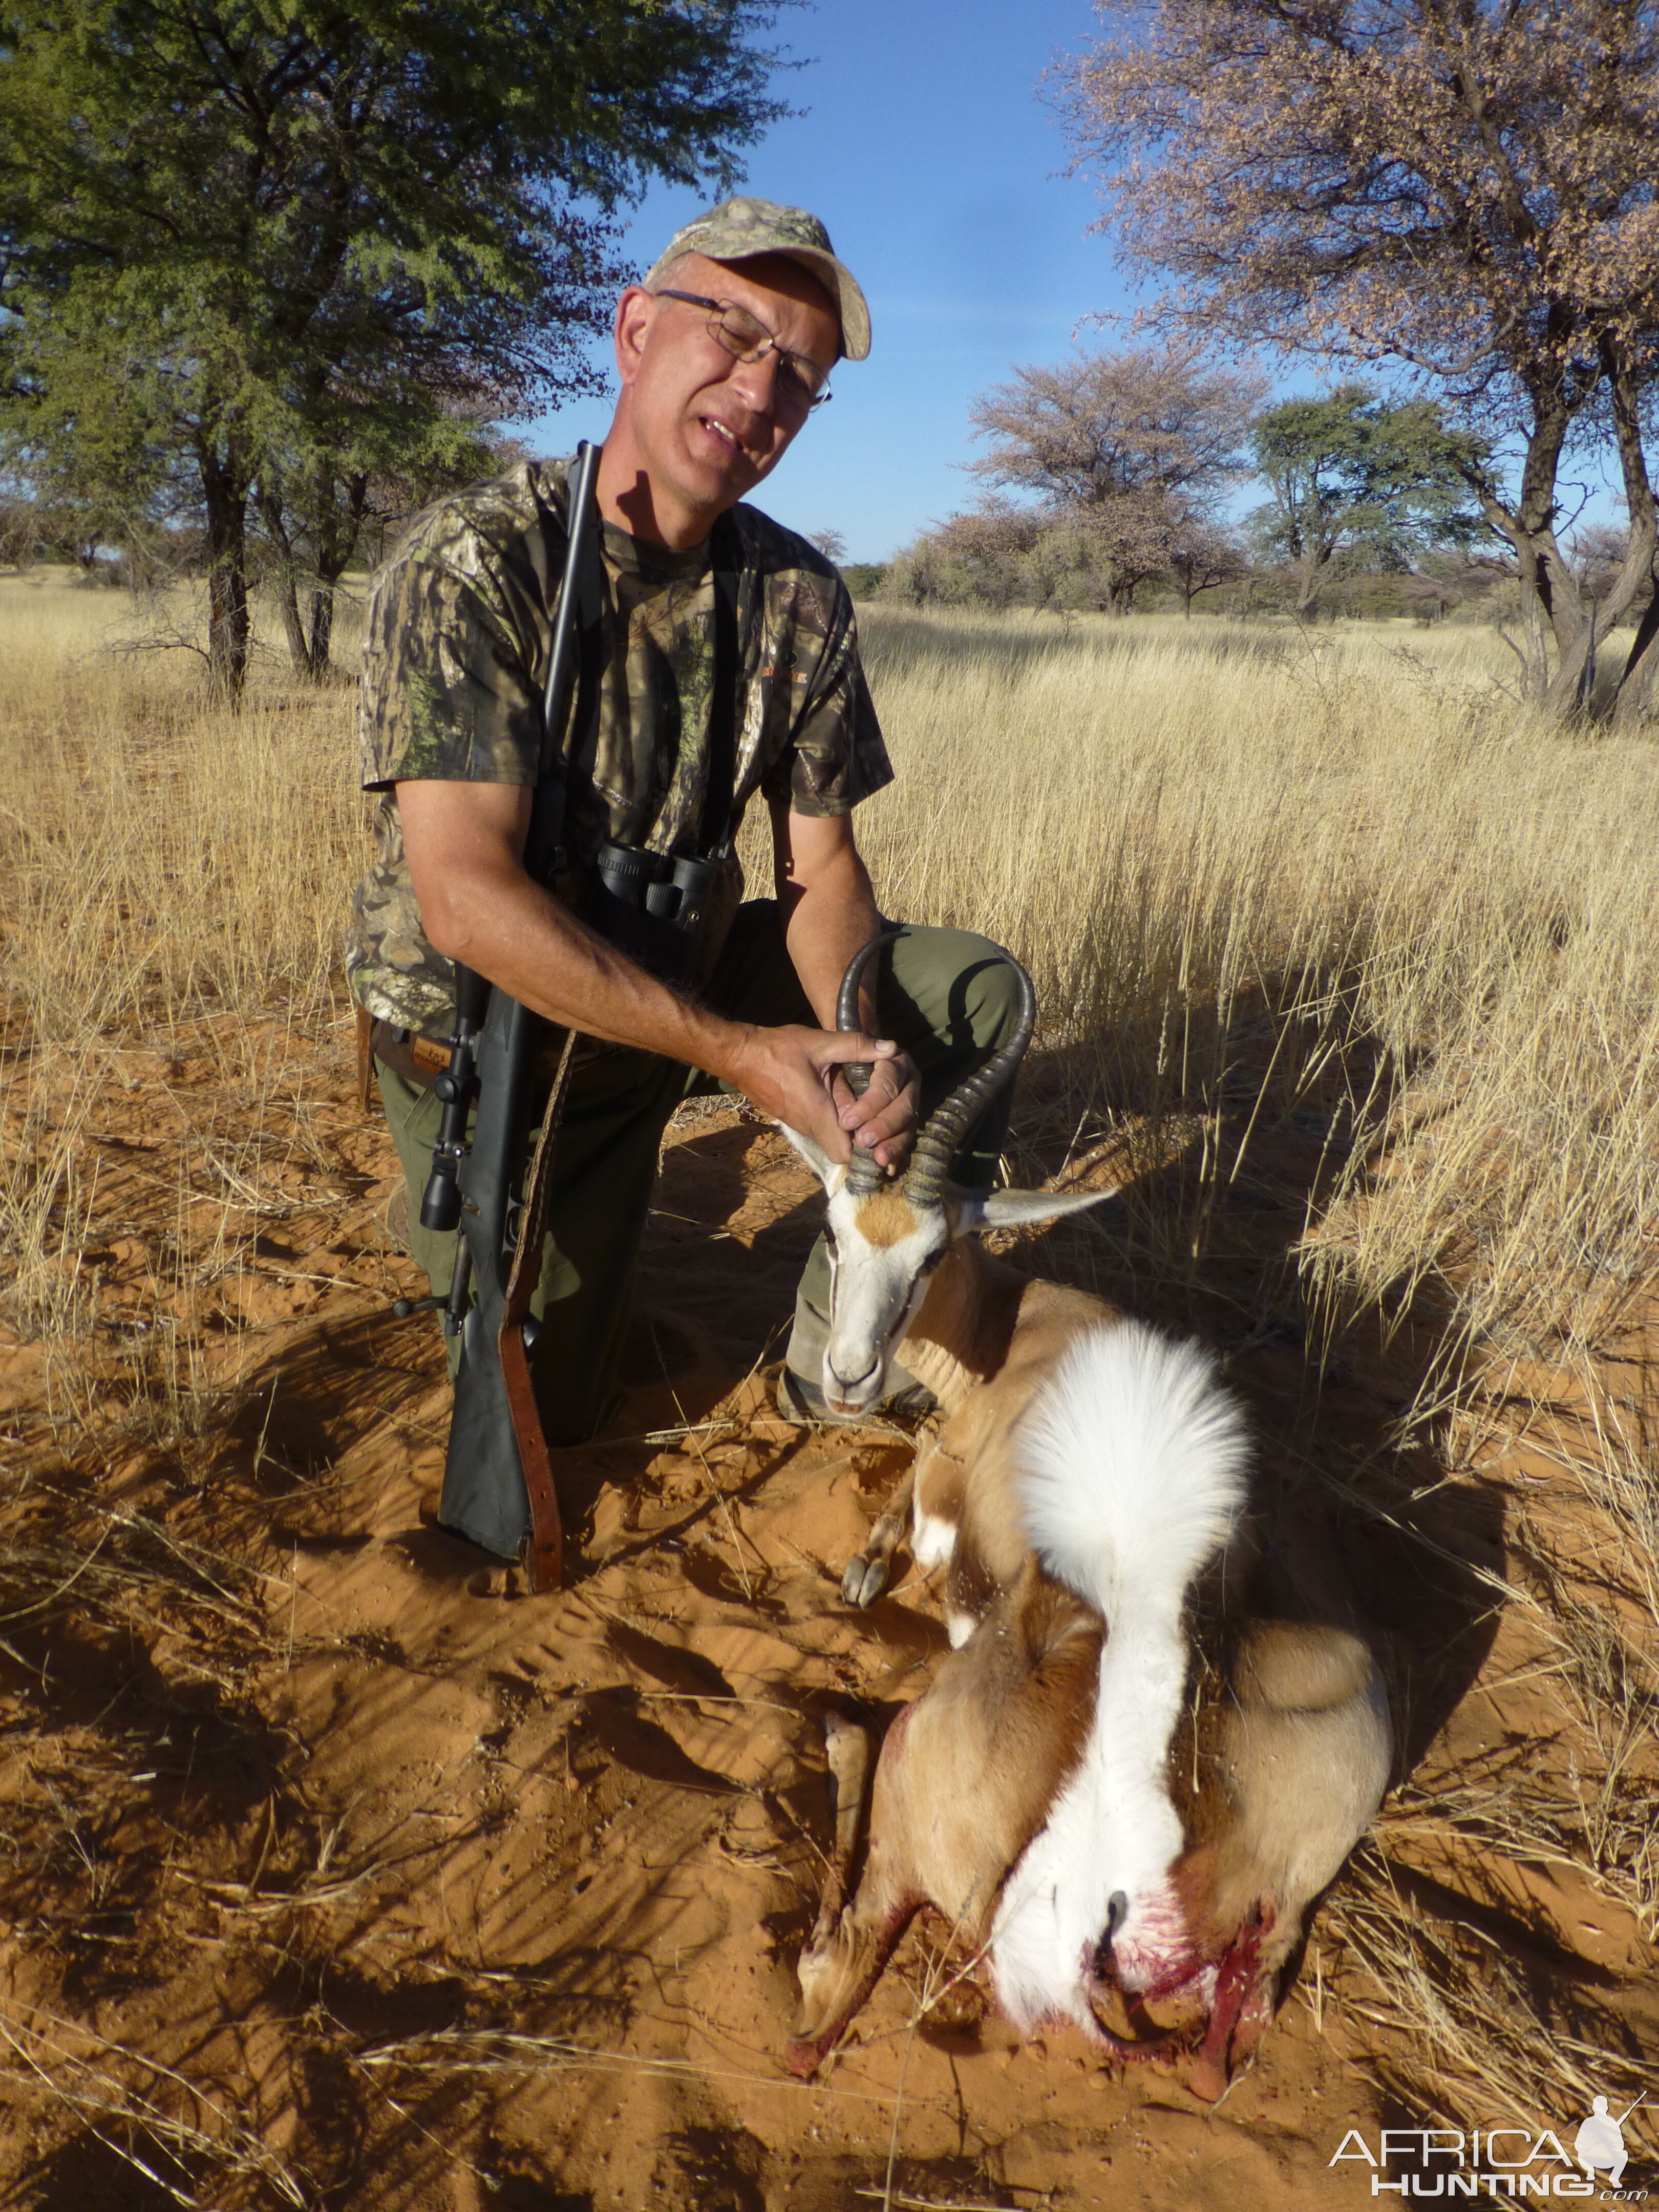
column 885, row 1236
column 1129, row 1781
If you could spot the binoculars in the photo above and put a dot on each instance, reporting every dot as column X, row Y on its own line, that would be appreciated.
column 654, row 907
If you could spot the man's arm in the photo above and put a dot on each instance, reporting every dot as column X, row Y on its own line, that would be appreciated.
column 465, row 843
column 829, row 913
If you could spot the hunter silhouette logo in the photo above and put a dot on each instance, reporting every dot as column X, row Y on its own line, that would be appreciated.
column 1600, row 2142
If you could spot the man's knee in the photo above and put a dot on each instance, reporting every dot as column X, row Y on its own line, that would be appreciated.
column 976, row 988
column 994, row 995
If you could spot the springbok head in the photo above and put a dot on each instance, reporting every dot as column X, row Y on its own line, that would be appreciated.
column 886, row 1236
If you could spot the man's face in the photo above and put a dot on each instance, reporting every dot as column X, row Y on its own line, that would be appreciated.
column 704, row 429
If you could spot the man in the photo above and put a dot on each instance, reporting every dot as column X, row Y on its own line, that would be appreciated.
column 722, row 354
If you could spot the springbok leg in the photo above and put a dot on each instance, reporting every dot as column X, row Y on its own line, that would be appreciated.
column 865, row 1577
column 863, row 1946
column 1236, row 1979
column 851, row 1944
column 849, row 1748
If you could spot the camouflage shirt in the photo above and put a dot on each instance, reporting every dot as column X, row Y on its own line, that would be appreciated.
column 455, row 657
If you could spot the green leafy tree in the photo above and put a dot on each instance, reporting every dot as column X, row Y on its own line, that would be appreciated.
column 255, row 252
column 1354, row 481
column 341, row 509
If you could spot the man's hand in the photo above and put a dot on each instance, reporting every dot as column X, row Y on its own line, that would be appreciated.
column 829, row 912
column 883, row 1120
column 793, row 1074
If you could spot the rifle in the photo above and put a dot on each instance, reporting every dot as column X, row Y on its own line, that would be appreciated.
column 498, row 1488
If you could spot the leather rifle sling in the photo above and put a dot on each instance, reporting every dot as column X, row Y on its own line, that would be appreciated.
column 545, row 1545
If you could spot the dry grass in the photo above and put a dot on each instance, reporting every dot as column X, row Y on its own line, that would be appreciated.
column 1336, row 894
column 173, row 881
column 171, row 860
column 1440, row 911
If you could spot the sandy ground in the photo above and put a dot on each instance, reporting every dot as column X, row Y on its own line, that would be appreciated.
column 402, row 1888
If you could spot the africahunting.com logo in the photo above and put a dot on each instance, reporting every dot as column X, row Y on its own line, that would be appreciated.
column 1497, row 2163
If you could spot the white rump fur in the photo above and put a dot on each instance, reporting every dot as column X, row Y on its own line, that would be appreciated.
column 1131, row 1464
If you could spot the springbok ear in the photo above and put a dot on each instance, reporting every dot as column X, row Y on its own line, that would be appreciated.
column 812, row 1153
column 1014, row 1209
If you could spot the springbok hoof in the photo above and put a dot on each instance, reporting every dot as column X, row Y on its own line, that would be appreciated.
column 865, row 1580
column 1207, row 2078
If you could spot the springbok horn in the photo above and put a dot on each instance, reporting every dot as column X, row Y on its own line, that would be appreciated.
column 863, row 1171
column 951, row 1120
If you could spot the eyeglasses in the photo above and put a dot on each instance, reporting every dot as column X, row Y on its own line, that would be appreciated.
column 801, row 382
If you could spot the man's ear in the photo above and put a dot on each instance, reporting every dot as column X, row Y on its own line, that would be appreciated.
column 812, row 1153
column 633, row 319
column 1014, row 1209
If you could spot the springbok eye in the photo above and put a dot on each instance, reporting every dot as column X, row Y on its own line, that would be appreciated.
column 829, row 1241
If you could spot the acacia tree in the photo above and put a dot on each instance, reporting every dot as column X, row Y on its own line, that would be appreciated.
column 1351, row 478
column 1067, row 557
column 1464, row 186
column 1203, row 556
column 1092, row 430
column 978, row 556
column 1129, row 449
column 271, row 245
column 1105, row 552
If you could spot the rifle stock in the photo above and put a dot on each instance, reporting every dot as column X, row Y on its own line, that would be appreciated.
column 498, row 1481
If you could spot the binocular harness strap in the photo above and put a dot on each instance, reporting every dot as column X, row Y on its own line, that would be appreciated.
column 714, row 841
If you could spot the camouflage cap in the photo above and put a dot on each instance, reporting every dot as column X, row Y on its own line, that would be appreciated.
column 741, row 227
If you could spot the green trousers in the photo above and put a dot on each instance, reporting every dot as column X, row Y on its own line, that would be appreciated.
column 946, row 997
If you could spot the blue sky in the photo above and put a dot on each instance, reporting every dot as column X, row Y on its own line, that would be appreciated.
column 927, row 149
